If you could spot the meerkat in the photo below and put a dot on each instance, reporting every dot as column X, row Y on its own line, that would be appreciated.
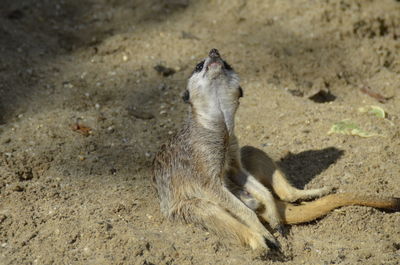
column 203, row 177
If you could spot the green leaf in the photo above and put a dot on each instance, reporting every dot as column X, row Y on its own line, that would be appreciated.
column 347, row 127
column 374, row 110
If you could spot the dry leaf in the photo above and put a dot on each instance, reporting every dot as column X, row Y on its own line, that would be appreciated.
column 375, row 95
column 82, row 129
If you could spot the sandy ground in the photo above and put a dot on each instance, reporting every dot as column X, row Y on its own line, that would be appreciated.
column 67, row 198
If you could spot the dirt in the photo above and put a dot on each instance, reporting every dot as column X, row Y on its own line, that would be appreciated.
column 83, row 111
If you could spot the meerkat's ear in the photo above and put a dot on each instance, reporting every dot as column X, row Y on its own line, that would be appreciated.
column 186, row 96
column 240, row 92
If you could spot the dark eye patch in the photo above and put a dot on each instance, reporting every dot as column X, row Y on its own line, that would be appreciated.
column 227, row 66
column 199, row 67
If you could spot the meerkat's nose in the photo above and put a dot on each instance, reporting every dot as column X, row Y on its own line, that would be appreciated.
column 214, row 53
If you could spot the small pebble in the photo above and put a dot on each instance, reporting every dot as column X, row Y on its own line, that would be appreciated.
column 67, row 84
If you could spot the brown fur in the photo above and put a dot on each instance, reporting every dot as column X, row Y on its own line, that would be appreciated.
column 202, row 176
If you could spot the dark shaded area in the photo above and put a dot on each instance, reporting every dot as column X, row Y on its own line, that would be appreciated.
column 36, row 34
column 15, row 14
column 33, row 33
column 38, row 48
column 301, row 168
column 322, row 97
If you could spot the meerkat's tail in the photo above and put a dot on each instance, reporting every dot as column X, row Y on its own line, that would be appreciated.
column 309, row 211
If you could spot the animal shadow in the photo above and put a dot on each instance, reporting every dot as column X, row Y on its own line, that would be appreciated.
column 301, row 168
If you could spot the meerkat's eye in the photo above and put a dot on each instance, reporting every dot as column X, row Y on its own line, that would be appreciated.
column 227, row 66
column 199, row 66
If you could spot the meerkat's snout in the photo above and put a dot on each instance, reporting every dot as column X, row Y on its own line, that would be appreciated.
column 214, row 63
column 214, row 53
column 212, row 77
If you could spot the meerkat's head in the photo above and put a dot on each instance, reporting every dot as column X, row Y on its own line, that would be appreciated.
column 213, row 90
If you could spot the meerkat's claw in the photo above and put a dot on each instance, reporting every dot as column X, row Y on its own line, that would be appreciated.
column 273, row 245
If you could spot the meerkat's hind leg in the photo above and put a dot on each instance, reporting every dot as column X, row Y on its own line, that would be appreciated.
column 270, row 212
column 257, row 197
column 217, row 219
column 264, row 169
column 289, row 193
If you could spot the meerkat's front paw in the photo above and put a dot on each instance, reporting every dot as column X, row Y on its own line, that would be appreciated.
column 257, row 242
column 254, row 240
column 273, row 245
column 270, row 240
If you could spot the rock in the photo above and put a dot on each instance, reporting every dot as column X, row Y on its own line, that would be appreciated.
column 165, row 71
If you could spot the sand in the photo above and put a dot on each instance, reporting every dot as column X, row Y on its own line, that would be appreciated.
column 83, row 111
